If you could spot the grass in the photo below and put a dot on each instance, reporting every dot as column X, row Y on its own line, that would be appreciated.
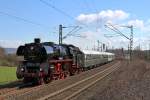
column 7, row 74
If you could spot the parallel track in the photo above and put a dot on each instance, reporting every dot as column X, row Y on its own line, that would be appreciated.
column 71, row 91
column 10, row 92
column 9, row 87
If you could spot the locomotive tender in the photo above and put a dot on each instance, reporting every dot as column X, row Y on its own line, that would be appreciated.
column 48, row 61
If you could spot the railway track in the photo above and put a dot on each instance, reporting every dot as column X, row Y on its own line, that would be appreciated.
column 16, row 87
column 35, row 92
column 9, row 87
column 73, row 90
column 7, row 93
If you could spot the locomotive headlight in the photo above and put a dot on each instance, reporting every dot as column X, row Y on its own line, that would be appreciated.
column 41, row 69
column 22, row 69
column 52, row 67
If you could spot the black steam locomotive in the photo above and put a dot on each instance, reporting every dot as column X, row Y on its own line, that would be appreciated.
column 48, row 61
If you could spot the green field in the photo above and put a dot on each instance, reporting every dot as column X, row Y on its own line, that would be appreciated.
column 7, row 74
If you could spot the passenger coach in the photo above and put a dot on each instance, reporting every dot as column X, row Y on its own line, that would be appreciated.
column 95, row 58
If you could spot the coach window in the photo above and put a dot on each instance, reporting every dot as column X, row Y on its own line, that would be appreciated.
column 88, row 57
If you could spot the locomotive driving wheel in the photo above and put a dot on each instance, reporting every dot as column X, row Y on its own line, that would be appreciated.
column 47, row 79
column 40, row 80
column 62, row 75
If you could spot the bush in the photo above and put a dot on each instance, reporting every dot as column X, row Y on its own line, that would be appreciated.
column 7, row 59
column 2, row 53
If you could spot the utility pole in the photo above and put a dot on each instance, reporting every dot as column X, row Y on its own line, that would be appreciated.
column 131, row 41
column 104, row 46
column 98, row 45
column 98, row 48
column 75, row 29
column 60, row 34
column 112, row 27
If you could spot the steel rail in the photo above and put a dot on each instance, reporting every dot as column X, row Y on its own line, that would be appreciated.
column 89, row 85
column 110, row 69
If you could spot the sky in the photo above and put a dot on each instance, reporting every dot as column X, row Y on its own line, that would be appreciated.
column 23, row 20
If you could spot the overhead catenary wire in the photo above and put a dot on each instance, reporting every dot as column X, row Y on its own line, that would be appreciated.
column 74, row 30
column 69, row 33
column 57, row 9
column 112, row 27
column 22, row 19
column 116, row 30
column 111, row 35
column 60, row 11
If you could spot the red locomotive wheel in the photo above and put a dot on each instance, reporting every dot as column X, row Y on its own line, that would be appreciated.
column 62, row 76
column 40, row 81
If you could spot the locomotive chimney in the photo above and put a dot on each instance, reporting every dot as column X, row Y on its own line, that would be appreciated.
column 37, row 40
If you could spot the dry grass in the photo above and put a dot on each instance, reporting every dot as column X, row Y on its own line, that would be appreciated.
column 131, row 82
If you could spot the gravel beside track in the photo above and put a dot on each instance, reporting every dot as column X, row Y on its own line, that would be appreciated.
column 129, row 82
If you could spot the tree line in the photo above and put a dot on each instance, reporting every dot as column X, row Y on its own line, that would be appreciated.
column 7, row 59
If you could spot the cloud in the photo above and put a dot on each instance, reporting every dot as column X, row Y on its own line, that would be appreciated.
column 113, row 15
column 103, row 16
column 90, row 35
column 90, row 40
column 137, row 23
column 143, row 26
column 116, row 17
